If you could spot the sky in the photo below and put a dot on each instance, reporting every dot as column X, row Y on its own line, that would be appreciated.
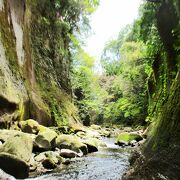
column 110, row 17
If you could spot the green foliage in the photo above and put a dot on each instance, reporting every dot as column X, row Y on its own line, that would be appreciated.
column 88, row 93
column 128, row 103
column 127, row 137
column 52, row 28
column 111, row 52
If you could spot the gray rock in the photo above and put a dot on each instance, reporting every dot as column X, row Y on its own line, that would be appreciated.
column 15, row 153
column 67, row 153
column 19, row 145
column 49, row 163
column 133, row 143
column 54, row 156
column 71, row 142
column 122, row 143
column 14, row 166
column 46, row 140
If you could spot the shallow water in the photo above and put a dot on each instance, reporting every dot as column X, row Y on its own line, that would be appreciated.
column 108, row 163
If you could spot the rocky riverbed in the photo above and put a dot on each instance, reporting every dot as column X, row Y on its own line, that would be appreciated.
column 33, row 150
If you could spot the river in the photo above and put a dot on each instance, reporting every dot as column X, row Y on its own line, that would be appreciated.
column 109, row 163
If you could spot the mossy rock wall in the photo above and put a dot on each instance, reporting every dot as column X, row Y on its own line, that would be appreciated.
column 35, row 64
column 160, row 154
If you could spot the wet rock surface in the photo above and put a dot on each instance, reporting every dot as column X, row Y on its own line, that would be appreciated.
column 44, row 150
column 108, row 163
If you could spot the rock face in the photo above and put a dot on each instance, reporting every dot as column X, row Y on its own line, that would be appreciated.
column 33, row 83
column 160, row 157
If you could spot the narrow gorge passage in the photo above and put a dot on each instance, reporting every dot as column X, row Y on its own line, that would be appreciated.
column 76, row 75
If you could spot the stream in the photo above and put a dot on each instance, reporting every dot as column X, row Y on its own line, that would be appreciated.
column 109, row 163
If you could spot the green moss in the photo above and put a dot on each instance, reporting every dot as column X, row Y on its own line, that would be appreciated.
column 51, row 58
column 21, row 110
column 127, row 137
column 8, row 40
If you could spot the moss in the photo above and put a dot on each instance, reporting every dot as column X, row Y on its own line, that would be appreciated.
column 21, row 110
column 8, row 39
column 127, row 137
column 51, row 59
column 42, row 128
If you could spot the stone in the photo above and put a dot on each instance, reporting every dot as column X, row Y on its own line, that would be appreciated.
column 46, row 140
column 105, row 133
column 19, row 145
column 93, row 134
column 71, row 142
column 81, row 134
column 133, row 143
column 32, row 163
column 91, row 145
column 128, row 137
column 29, row 126
column 53, row 155
column 67, row 153
column 49, row 164
column 122, row 143
column 5, row 134
column 95, row 127
column 14, row 166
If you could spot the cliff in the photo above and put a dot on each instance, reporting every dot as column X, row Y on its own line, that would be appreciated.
column 160, row 158
column 35, row 64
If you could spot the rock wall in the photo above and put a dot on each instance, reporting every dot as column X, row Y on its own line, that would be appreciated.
column 35, row 64
column 160, row 158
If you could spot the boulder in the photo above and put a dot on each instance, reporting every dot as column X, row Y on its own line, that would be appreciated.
column 29, row 126
column 49, row 164
column 15, row 152
column 71, row 142
column 98, row 142
column 49, row 159
column 53, row 155
column 14, row 166
column 133, row 143
column 45, row 140
column 67, row 153
column 128, row 137
column 122, row 143
column 19, row 145
column 91, row 145
column 105, row 133
column 5, row 134
column 93, row 134
column 32, row 163
column 81, row 134
column 95, row 127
